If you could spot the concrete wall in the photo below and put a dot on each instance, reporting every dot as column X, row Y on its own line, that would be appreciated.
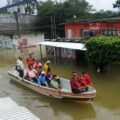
column 32, row 39
column 8, row 22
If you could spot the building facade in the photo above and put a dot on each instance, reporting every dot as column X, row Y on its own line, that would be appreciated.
column 28, row 7
column 106, row 26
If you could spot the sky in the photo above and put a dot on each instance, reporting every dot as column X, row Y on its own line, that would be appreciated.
column 97, row 4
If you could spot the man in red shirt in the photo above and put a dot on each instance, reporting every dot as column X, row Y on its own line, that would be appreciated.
column 76, row 86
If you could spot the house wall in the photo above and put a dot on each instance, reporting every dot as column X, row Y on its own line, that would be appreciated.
column 75, row 28
column 32, row 40
column 98, row 26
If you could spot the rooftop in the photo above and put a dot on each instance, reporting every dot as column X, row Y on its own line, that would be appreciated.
column 9, row 110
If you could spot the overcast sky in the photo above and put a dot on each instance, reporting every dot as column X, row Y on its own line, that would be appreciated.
column 98, row 4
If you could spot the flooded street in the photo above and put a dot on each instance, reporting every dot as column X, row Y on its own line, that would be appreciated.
column 106, row 105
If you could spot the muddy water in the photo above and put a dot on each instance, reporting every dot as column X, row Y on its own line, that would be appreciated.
column 106, row 106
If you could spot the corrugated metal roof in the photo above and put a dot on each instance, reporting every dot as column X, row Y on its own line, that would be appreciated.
column 75, row 46
column 9, row 110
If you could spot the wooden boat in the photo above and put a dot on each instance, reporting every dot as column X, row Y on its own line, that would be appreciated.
column 64, row 93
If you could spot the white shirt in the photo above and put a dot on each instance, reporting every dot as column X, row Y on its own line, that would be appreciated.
column 20, row 64
column 31, row 73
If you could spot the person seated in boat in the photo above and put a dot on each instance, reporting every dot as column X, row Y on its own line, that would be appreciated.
column 38, row 66
column 42, row 80
column 30, row 59
column 48, row 78
column 58, row 80
column 75, row 84
column 54, row 82
column 46, row 67
column 85, row 80
column 31, row 74
column 20, row 67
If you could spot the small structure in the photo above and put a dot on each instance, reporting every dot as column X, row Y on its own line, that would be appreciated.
column 63, row 50
column 9, row 110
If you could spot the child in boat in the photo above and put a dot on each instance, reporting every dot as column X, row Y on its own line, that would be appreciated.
column 20, row 67
column 76, row 86
column 54, row 82
column 31, row 74
column 85, row 80
column 41, row 79
column 38, row 66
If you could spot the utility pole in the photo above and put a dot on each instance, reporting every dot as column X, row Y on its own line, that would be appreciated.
column 18, row 29
column 53, row 27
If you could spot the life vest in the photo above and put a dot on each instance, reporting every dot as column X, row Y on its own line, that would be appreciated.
column 28, row 73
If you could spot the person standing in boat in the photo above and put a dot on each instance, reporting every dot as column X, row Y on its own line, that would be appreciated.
column 31, row 74
column 46, row 67
column 86, row 80
column 20, row 67
column 76, row 86
column 30, row 59
column 42, row 80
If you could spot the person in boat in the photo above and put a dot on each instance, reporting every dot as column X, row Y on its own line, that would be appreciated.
column 38, row 66
column 46, row 67
column 54, row 82
column 75, row 84
column 31, row 74
column 58, row 80
column 30, row 59
column 48, row 78
column 20, row 67
column 86, row 80
column 42, row 80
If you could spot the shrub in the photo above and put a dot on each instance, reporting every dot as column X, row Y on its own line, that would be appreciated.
column 103, row 50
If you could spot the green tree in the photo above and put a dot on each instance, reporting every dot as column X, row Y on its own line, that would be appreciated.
column 59, row 12
column 117, row 4
column 102, row 14
column 103, row 50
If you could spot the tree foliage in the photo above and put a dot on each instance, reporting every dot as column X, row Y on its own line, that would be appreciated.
column 102, row 14
column 103, row 50
column 116, row 4
column 61, row 11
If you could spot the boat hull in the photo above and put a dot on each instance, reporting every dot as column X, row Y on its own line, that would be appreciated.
column 54, row 93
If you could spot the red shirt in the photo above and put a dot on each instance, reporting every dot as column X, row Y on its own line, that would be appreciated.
column 87, row 79
column 82, row 81
column 30, row 61
column 74, row 83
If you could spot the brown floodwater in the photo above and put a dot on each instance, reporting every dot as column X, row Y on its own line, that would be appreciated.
column 106, row 105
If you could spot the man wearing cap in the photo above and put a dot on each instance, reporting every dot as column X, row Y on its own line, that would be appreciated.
column 42, row 80
column 46, row 67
